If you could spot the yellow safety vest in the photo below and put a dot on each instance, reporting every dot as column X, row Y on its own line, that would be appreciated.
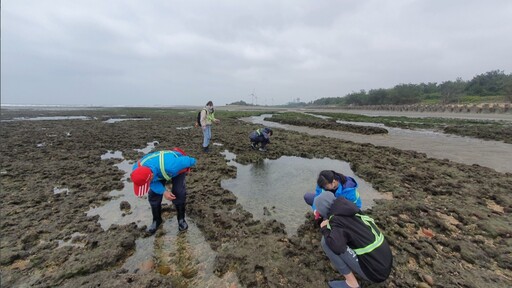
column 379, row 237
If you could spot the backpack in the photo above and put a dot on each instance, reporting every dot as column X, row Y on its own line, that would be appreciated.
column 198, row 120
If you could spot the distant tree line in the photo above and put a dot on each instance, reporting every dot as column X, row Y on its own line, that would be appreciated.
column 493, row 83
column 240, row 103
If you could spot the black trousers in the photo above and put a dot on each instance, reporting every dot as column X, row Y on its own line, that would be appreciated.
column 260, row 139
column 178, row 189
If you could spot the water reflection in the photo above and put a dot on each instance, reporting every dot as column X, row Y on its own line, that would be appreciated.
column 112, row 155
column 186, row 257
column 57, row 190
column 111, row 212
column 433, row 144
column 275, row 188
column 150, row 146
column 115, row 120
column 47, row 118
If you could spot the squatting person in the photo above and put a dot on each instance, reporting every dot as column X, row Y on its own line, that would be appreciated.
column 337, row 184
column 352, row 241
column 260, row 136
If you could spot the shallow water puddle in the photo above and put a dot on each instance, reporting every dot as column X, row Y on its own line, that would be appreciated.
column 186, row 257
column 57, row 190
column 150, row 146
column 124, row 208
column 46, row 118
column 112, row 155
column 433, row 144
column 275, row 188
column 115, row 120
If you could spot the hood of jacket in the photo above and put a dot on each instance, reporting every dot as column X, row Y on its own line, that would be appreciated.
column 343, row 207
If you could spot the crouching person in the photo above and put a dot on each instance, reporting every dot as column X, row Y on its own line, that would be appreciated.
column 150, row 175
column 260, row 136
column 352, row 242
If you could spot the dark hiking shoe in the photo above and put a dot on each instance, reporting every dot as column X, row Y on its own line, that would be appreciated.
column 182, row 225
column 263, row 149
column 153, row 227
column 253, row 146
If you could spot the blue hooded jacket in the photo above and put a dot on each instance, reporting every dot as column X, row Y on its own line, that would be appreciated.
column 347, row 191
column 172, row 162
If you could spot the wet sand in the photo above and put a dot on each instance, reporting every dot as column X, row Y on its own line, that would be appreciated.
column 448, row 223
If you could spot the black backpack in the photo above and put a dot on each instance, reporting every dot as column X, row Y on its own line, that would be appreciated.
column 198, row 120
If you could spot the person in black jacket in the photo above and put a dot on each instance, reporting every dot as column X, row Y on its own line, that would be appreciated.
column 352, row 242
column 262, row 136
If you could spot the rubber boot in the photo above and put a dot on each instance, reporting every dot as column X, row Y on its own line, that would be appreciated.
column 182, row 224
column 157, row 219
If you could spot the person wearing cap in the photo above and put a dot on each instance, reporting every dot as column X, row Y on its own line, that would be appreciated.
column 336, row 183
column 261, row 135
column 352, row 242
column 207, row 118
column 150, row 175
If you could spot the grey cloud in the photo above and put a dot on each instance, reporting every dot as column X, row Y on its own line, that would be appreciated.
column 183, row 52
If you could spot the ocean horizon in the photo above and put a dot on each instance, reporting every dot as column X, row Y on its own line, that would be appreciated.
column 86, row 106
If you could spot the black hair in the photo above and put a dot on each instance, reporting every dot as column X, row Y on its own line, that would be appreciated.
column 327, row 176
column 210, row 103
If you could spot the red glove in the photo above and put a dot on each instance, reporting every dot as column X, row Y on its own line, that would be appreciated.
column 318, row 218
column 317, row 215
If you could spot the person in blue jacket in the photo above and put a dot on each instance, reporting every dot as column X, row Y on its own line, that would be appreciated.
column 262, row 136
column 336, row 183
column 150, row 175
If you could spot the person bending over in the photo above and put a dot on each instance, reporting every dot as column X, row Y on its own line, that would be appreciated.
column 150, row 175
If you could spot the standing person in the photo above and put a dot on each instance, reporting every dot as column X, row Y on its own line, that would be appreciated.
column 352, row 241
column 207, row 119
column 261, row 135
column 337, row 184
column 151, row 173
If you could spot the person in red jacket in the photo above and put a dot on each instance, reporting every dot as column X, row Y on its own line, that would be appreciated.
column 352, row 242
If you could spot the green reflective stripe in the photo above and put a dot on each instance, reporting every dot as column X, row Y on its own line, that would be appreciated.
column 379, row 238
column 329, row 223
column 148, row 158
column 357, row 196
column 162, row 166
column 258, row 131
column 210, row 116
column 161, row 162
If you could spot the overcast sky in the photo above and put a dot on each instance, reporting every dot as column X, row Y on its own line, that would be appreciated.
column 162, row 52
